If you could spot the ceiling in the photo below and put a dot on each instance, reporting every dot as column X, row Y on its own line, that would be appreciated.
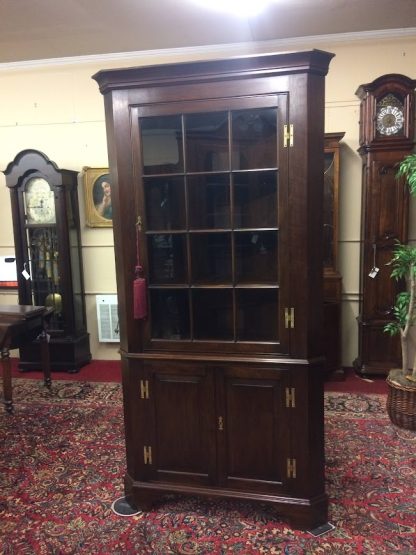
column 43, row 29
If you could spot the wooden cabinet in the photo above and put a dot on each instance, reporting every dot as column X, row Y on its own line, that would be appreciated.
column 332, row 277
column 386, row 137
column 217, row 171
column 47, row 240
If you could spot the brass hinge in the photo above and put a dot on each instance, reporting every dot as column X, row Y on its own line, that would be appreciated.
column 290, row 398
column 139, row 223
column 147, row 454
column 291, row 468
column 288, row 135
column 144, row 389
column 221, row 423
column 289, row 317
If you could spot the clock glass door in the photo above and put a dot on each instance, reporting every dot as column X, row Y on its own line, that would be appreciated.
column 42, row 267
column 211, row 191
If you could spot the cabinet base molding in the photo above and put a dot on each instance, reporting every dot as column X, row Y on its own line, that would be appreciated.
column 302, row 513
column 379, row 351
column 68, row 354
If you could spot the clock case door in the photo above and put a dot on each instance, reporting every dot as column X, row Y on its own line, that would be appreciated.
column 384, row 219
column 51, row 254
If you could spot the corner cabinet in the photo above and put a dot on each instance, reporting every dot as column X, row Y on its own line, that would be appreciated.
column 217, row 171
column 46, row 229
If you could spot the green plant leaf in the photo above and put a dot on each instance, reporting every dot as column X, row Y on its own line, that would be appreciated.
column 407, row 169
column 392, row 328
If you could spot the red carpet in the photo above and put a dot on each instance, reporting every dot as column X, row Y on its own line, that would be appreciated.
column 95, row 371
column 62, row 464
column 110, row 371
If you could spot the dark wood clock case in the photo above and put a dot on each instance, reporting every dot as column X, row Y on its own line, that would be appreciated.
column 384, row 218
column 332, row 276
column 51, row 254
column 217, row 172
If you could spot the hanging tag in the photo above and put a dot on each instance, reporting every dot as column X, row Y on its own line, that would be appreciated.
column 25, row 273
column 374, row 272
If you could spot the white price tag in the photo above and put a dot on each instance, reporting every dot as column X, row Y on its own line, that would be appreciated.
column 26, row 274
column 374, row 272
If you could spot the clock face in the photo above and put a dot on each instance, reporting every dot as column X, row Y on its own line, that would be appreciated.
column 390, row 120
column 40, row 202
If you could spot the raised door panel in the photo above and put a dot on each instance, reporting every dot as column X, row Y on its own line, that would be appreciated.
column 253, row 435
column 385, row 225
column 181, row 424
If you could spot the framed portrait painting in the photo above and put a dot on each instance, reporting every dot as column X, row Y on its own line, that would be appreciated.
column 97, row 190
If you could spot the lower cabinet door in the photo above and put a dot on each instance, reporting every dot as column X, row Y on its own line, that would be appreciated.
column 253, row 433
column 222, row 427
column 181, row 424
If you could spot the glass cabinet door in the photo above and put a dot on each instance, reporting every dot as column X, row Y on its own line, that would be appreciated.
column 45, row 279
column 210, row 188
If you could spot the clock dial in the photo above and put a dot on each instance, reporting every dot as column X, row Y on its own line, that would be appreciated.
column 389, row 116
column 40, row 202
column 390, row 120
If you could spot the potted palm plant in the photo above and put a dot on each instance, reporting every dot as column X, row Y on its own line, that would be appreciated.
column 401, row 399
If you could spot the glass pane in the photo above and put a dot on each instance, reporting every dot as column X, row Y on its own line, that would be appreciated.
column 329, row 210
column 170, row 313
column 255, row 199
column 257, row 314
column 165, row 203
column 256, row 257
column 211, row 257
column 207, row 142
column 213, row 314
column 209, row 201
column 254, row 143
column 162, row 147
column 44, row 271
column 167, row 259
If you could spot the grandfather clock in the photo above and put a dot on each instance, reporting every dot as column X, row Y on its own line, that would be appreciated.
column 386, row 137
column 46, row 231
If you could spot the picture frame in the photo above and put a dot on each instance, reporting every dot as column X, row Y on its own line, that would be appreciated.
column 97, row 194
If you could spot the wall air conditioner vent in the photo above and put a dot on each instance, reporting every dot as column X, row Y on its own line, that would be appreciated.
column 107, row 317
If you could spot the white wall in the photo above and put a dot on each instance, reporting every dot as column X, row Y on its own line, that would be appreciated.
column 56, row 108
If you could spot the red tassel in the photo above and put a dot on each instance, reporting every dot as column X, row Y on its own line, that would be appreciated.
column 139, row 298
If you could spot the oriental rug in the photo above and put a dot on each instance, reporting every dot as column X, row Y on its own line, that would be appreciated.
column 62, row 463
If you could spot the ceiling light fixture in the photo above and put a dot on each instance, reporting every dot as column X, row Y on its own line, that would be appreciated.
column 242, row 8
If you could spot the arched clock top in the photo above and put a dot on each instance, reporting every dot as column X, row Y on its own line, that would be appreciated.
column 31, row 161
column 387, row 112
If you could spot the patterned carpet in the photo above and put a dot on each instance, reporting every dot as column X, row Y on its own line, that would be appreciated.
column 62, row 466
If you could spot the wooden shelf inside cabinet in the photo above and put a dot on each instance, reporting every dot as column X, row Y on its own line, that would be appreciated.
column 332, row 277
column 46, row 230
column 229, row 357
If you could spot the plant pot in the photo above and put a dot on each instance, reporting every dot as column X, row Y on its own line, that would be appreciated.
column 401, row 405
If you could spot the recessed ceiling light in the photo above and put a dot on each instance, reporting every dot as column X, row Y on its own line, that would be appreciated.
column 242, row 8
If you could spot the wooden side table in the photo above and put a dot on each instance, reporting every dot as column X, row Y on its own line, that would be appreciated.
column 18, row 325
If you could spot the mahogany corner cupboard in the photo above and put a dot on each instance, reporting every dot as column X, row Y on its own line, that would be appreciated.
column 217, row 171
